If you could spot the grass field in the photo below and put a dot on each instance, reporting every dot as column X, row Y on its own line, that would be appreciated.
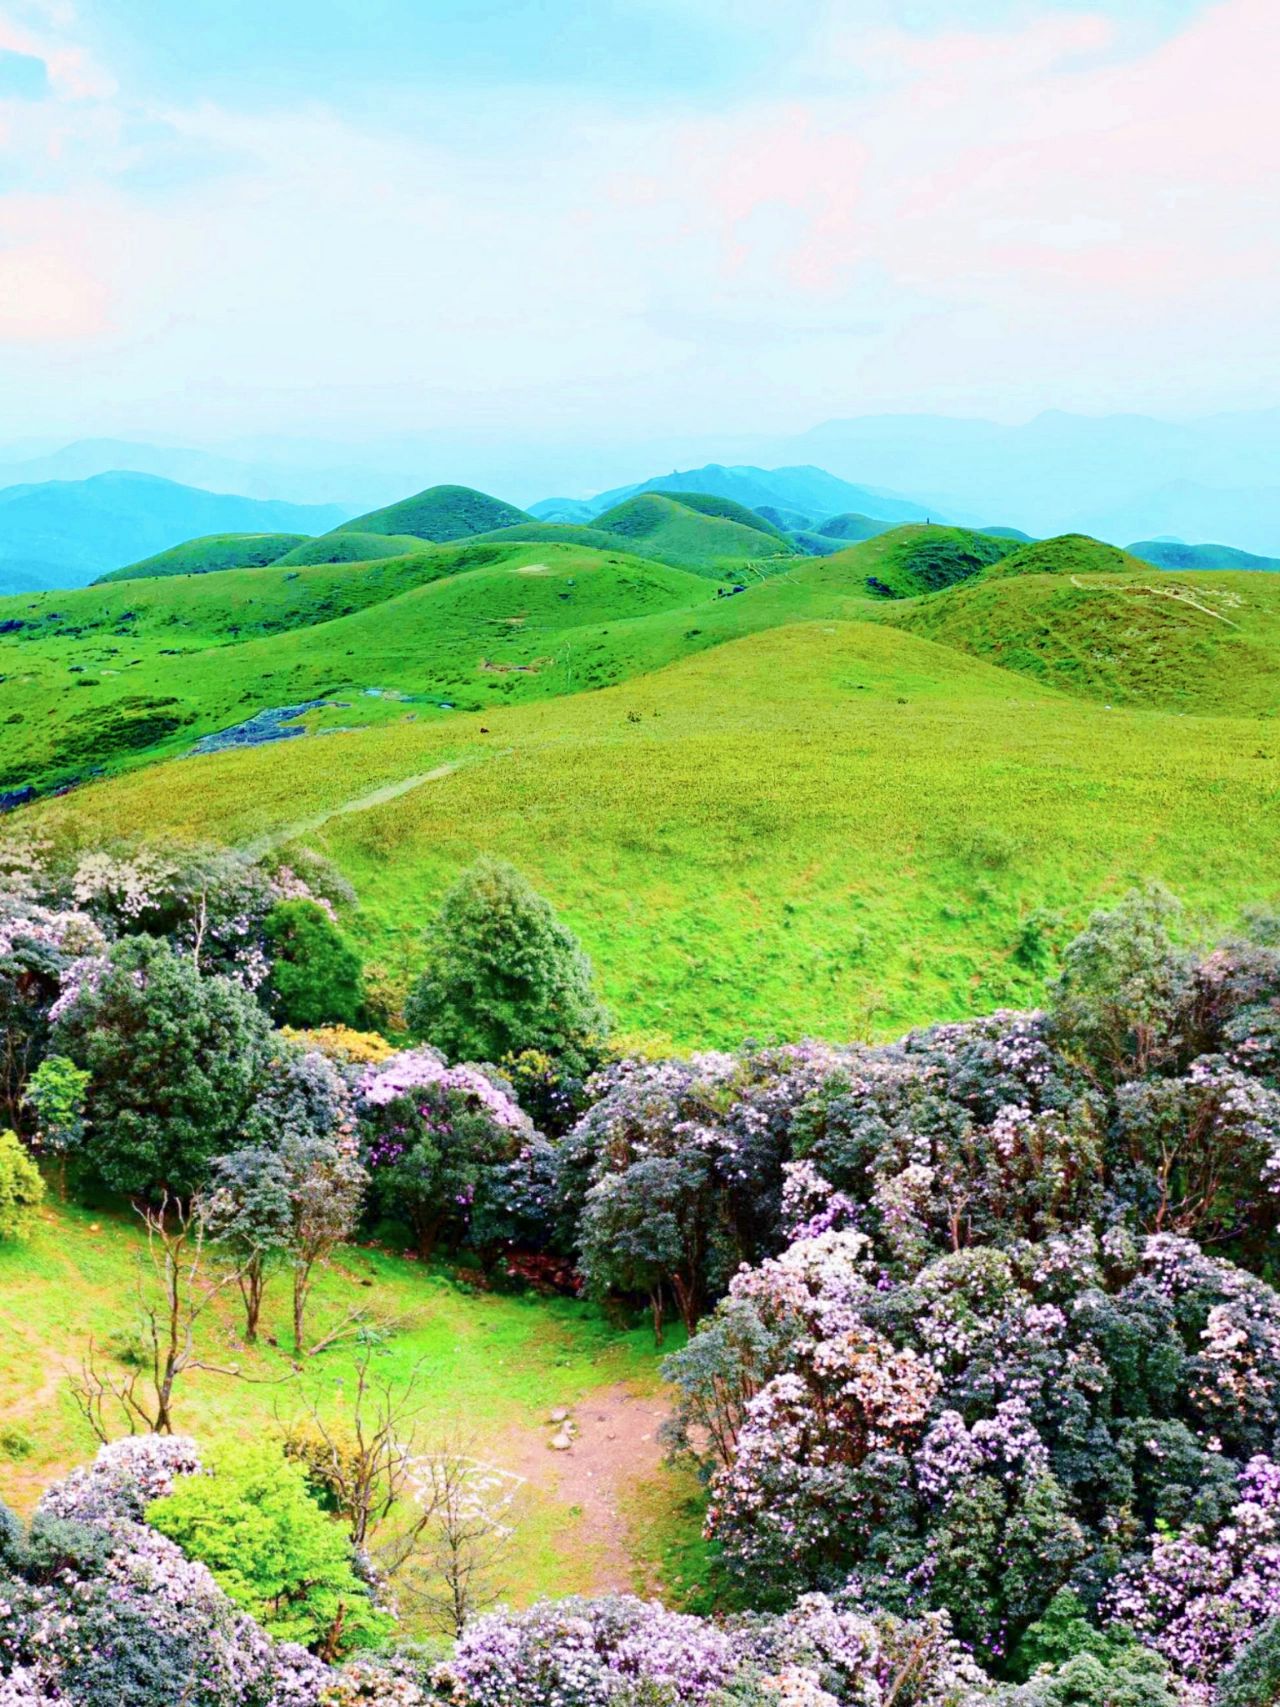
column 832, row 827
column 809, row 806
column 1207, row 642
column 486, row 1365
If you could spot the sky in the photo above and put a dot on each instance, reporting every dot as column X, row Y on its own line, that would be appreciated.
column 562, row 220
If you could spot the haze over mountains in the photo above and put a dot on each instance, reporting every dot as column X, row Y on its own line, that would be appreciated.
column 71, row 513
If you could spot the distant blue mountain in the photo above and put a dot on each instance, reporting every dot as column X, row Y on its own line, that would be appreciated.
column 1176, row 554
column 63, row 533
column 806, row 491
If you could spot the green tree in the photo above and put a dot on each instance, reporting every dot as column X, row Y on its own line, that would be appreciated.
column 315, row 973
column 21, row 1188
column 174, row 1060
column 273, row 1550
column 503, row 974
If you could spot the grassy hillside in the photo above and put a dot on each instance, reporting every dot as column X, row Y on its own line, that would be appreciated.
column 1068, row 554
column 351, row 548
column 829, row 827
column 500, row 1363
column 910, row 561
column 155, row 664
column 1207, row 643
column 1173, row 554
column 707, row 504
column 215, row 551
column 551, row 533
column 663, row 526
column 852, row 527
column 441, row 513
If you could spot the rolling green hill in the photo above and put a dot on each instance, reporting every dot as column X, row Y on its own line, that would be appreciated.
column 910, row 561
column 828, row 827
column 215, row 552
column 441, row 513
column 1068, row 554
column 551, row 533
column 351, row 548
column 158, row 664
column 1207, row 642
column 708, row 504
column 666, row 527
column 852, row 528
column 1173, row 554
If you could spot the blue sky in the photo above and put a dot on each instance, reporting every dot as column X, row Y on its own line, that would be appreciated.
column 631, row 217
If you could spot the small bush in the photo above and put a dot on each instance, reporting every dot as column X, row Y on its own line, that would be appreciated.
column 21, row 1188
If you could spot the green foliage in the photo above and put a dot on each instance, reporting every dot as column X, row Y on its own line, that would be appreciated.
column 503, row 974
column 910, row 561
column 175, row 1060
column 57, row 1092
column 21, row 1188
column 1254, row 1680
column 1124, row 984
column 440, row 513
column 272, row 1549
column 315, row 973
column 1129, row 1677
column 214, row 552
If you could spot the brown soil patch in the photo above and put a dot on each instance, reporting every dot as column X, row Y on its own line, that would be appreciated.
column 616, row 1448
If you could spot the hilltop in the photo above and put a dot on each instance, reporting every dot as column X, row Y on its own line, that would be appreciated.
column 441, row 514
column 678, row 531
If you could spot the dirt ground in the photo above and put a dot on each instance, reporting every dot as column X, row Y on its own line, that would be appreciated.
column 615, row 1448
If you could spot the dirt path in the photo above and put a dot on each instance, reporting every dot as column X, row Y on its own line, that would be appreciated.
column 616, row 1447
column 362, row 803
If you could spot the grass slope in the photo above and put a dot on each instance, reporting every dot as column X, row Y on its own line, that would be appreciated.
column 157, row 663
column 653, row 524
column 497, row 1362
column 1206, row 642
column 1068, row 554
column 852, row 528
column 215, row 552
column 441, row 513
column 708, row 504
column 829, row 827
column 351, row 548
column 909, row 561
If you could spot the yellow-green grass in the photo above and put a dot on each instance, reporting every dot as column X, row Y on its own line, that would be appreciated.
column 1204, row 642
column 483, row 1366
column 828, row 828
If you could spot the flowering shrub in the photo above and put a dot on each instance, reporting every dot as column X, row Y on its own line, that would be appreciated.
column 434, row 1137
column 106, row 1612
column 587, row 1653
column 1004, row 1425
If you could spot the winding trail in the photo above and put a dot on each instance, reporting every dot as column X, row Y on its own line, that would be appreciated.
column 361, row 803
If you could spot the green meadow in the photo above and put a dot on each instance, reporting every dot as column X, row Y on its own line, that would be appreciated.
column 834, row 795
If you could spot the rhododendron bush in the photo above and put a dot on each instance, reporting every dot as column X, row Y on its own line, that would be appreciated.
column 982, row 1360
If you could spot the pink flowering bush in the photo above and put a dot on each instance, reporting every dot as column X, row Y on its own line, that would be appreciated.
column 437, row 1142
